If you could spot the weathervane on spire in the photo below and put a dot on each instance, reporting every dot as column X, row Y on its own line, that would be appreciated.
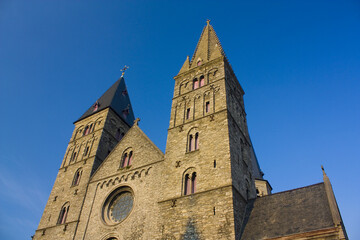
column 208, row 22
column 123, row 70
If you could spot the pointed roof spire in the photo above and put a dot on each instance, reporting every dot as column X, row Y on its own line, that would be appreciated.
column 331, row 198
column 323, row 171
column 208, row 47
column 117, row 98
column 186, row 65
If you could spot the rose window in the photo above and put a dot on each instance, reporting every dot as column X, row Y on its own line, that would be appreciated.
column 118, row 206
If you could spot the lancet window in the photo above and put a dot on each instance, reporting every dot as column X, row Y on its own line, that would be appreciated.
column 189, row 182
column 88, row 129
column 202, row 81
column 187, row 113
column 63, row 213
column 95, row 106
column 86, row 150
column 193, row 140
column 127, row 159
column 195, row 83
column 198, row 82
column 77, row 177
column 73, row 156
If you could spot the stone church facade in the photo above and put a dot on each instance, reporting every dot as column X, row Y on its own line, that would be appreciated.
column 115, row 184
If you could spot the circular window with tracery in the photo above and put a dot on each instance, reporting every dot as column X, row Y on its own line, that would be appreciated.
column 118, row 206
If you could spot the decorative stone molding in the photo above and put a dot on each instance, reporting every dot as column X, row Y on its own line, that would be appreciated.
column 126, row 177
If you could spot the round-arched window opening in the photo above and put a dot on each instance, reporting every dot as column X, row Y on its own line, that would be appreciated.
column 118, row 206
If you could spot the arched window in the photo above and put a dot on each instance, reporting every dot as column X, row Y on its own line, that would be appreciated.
column 193, row 140
column 196, row 142
column 127, row 158
column 86, row 150
column 207, row 106
column 124, row 160
column 202, row 81
column 73, row 156
column 63, row 213
column 95, row 106
column 189, row 185
column 77, row 177
column 193, row 183
column 195, row 83
column 86, row 131
column 187, row 113
column 130, row 158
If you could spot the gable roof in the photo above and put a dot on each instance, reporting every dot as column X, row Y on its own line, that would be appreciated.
column 146, row 152
column 296, row 211
column 117, row 98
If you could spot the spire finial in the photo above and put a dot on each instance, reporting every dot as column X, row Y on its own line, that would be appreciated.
column 208, row 22
column 323, row 170
column 123, row 70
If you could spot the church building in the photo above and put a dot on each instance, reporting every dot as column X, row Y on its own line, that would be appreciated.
column 114, row 183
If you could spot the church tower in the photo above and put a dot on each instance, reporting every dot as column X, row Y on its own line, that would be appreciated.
column 207, row 185
column 210, row 166
column 96, row 133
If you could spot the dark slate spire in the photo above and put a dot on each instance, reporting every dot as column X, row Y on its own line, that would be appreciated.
column 117, row 98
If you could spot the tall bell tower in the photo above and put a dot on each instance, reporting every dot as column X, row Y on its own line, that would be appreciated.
column 210, row 165
column 96, row 133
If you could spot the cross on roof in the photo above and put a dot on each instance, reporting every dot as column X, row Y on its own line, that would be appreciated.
column 136, row 121
column 123, row 70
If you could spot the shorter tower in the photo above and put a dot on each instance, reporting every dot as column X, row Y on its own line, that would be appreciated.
column 96, row 133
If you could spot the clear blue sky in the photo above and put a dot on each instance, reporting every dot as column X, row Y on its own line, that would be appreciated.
column 298, row 62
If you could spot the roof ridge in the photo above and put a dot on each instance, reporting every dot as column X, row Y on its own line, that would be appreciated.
column 218, row 42
column 197, row 46
column 147, row 138
column 291, row 190
column 208, row 40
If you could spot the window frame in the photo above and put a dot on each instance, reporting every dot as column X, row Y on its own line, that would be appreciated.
column 127, row 158
column 77, row 177
column 63, row 214
column 201, row 81
column 189, row 181
column 195, row 83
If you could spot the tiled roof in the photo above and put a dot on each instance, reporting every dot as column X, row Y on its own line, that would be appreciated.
column 117, row 98
column 296, row 211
